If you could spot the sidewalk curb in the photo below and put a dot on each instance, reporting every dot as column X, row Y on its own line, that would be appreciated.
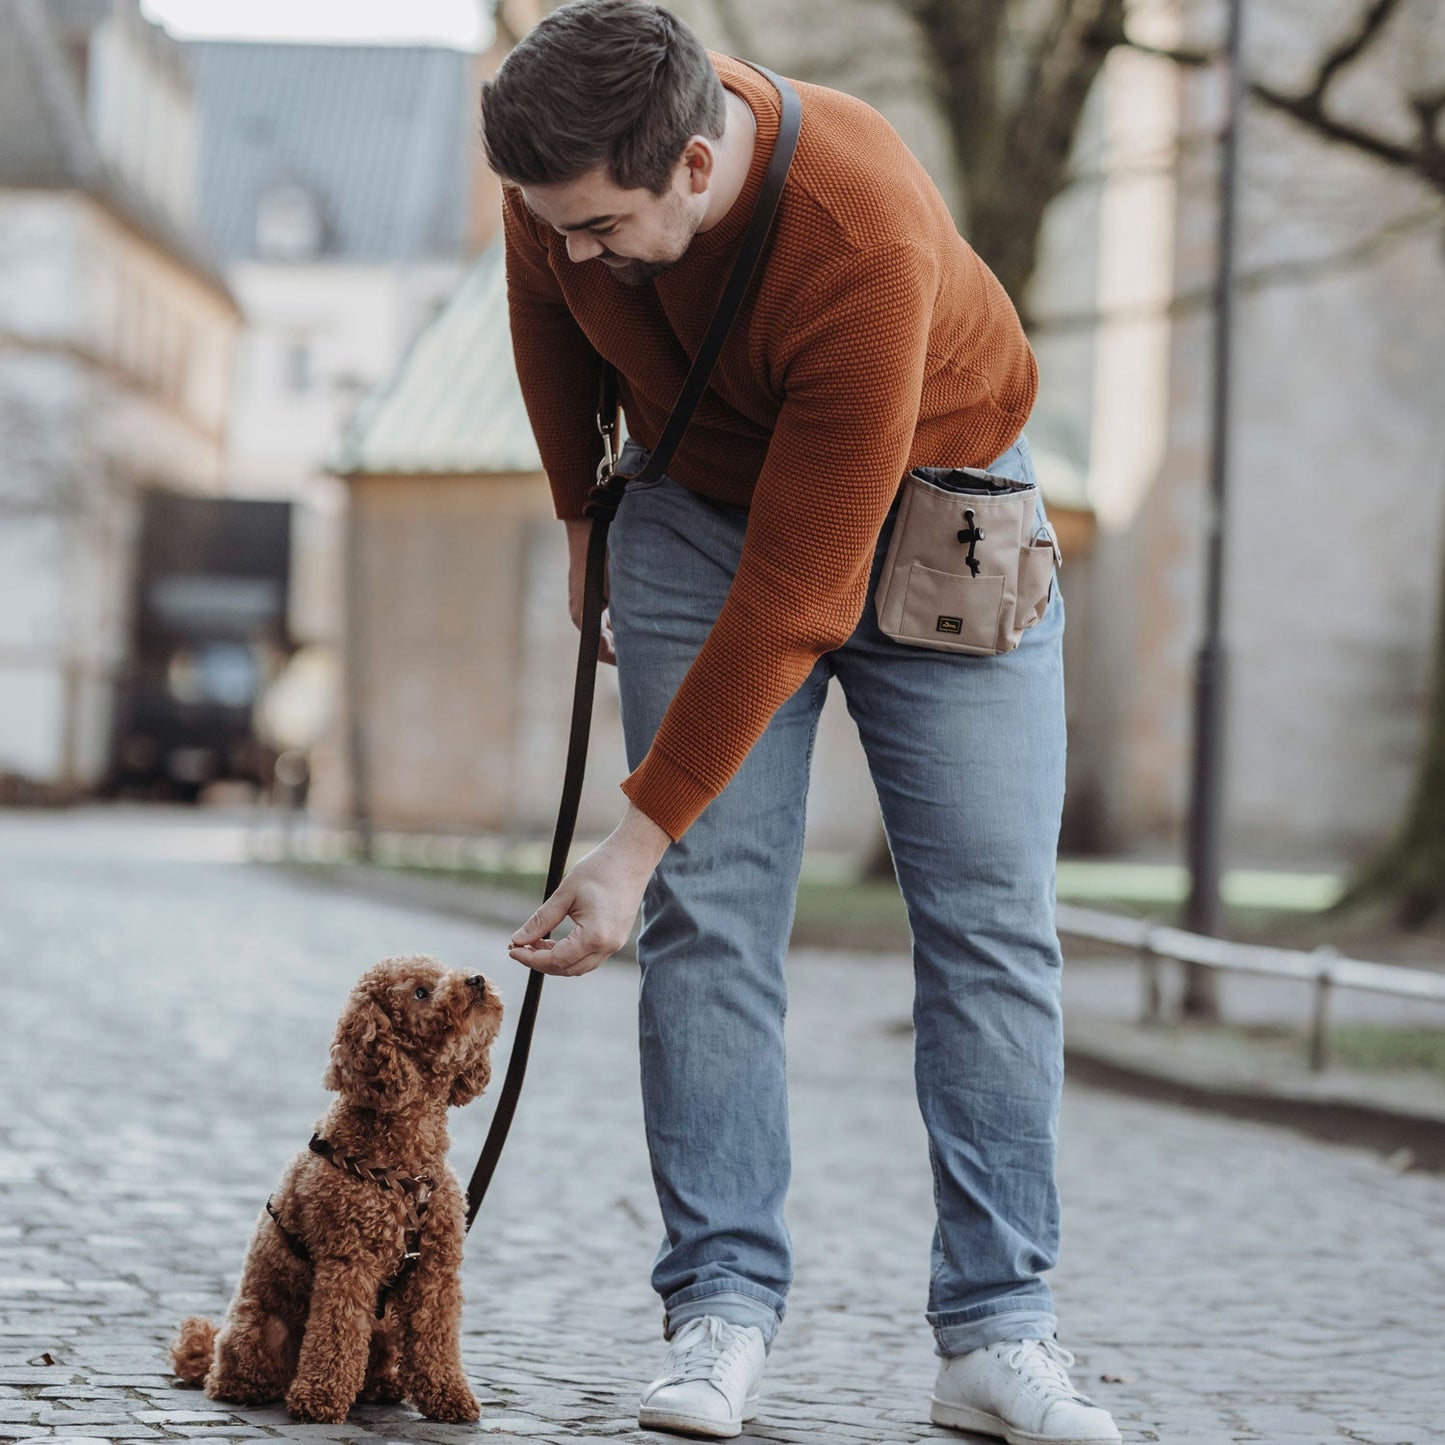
column 1091, row 1058
column 1334, row 1118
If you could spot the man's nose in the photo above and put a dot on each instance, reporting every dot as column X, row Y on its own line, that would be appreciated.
column 582, row 247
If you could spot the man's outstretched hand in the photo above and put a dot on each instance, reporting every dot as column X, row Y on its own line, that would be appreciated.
column 601, row 896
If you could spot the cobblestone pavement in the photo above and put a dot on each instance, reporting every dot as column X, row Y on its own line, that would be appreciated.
column 166, row 1012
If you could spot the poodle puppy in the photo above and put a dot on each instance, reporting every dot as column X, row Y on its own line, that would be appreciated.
column 351, row 1285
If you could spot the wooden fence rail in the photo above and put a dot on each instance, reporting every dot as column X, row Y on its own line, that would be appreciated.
column 1324, row 969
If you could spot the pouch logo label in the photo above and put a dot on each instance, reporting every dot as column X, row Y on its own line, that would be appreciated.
column 950, row 624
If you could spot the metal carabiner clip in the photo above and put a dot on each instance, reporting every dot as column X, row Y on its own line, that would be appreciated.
column 609, row 455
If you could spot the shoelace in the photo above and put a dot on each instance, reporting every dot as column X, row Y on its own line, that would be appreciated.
column 700, row 1348
column 1045, row 1362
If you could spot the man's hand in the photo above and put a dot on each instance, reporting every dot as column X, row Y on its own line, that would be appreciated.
column 578, row 531
column 601, row 896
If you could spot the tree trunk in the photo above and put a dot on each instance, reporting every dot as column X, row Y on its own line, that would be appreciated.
column 1409, row 873
column 1011, row 156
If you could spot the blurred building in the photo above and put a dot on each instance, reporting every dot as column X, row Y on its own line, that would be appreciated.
column 343, row 190
column 116, row 332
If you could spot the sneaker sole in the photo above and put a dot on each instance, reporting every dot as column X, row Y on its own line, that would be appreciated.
column 981, row 1422
column 649, row 1418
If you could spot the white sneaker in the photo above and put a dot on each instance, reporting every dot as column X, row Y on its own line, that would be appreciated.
column 709, row 1385
column 1019, row 1389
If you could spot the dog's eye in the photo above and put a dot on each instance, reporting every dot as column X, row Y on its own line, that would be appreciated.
column 421, row 992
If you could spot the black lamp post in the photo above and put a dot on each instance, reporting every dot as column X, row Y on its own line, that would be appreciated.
column 1202, row 910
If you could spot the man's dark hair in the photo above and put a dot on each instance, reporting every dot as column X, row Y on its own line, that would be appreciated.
column 619, row 83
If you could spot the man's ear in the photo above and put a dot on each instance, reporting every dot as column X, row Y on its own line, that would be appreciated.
column 700, row 160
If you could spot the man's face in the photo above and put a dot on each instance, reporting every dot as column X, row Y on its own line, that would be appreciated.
column 634, row 233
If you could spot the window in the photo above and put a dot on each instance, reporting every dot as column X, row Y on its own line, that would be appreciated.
column 289, row 225
column 300, row 377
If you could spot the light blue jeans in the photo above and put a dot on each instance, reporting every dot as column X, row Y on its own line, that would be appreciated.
column 967, row 755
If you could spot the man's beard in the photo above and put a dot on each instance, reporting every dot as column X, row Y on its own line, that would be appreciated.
column 638, row 273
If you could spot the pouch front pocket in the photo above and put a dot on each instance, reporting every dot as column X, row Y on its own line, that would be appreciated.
column 1036, row 583
column 950, row 611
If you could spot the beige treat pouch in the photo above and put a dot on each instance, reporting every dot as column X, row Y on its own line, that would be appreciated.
column 970, row 568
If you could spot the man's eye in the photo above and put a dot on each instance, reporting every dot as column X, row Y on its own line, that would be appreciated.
column 610, row 231
column 422, row 992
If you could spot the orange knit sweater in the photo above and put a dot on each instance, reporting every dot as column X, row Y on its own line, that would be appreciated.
column 873, row 339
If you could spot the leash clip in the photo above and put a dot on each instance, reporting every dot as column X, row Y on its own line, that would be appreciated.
column 608, row 433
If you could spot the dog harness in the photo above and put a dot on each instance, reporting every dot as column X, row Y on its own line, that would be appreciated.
column 415, row 1191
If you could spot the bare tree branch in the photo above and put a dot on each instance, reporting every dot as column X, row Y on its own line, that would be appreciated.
column 1371, row 23
column 1310, row 112
column 1295, row 272
column 1193, row 59
column 1424, row 159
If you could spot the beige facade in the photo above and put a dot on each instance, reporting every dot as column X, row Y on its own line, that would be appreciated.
column 463, row 655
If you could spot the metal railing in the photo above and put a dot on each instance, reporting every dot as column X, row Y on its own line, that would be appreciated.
column 1324, row 968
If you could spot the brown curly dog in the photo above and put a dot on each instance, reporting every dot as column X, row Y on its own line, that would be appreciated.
column 352, row 1279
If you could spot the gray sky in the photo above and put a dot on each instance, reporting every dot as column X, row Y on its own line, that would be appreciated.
column 450, row 22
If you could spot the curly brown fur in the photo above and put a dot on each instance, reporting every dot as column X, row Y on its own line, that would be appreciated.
column 307, row 1332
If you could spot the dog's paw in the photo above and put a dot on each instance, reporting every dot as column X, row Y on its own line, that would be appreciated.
column 385, row 1391
column 453, row 1404
column 319, row 1407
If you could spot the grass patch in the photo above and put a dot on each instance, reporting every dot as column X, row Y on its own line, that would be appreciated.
column 856, row 915
column 1366, row 1048
column 1379, row 1047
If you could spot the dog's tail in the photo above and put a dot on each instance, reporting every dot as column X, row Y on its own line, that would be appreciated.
column 191, row 1350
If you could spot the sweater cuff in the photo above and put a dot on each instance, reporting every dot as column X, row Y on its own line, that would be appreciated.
column 670, row 796
column 569, row 495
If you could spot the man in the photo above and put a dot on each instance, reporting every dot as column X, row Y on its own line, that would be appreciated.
column 871, row 340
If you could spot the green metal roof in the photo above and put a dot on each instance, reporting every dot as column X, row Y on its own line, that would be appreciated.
column 453, row 405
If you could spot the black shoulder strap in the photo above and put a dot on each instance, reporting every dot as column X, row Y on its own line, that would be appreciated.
column 602, row 505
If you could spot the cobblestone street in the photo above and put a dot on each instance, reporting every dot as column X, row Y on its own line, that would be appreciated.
column 167, row 1009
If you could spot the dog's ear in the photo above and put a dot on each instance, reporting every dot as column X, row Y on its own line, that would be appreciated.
column 470, row 1082
column 367, row 1063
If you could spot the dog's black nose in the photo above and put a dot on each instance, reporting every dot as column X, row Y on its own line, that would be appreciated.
column 477, row 982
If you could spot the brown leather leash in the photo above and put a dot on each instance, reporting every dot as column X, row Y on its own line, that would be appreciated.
column 602, row 504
